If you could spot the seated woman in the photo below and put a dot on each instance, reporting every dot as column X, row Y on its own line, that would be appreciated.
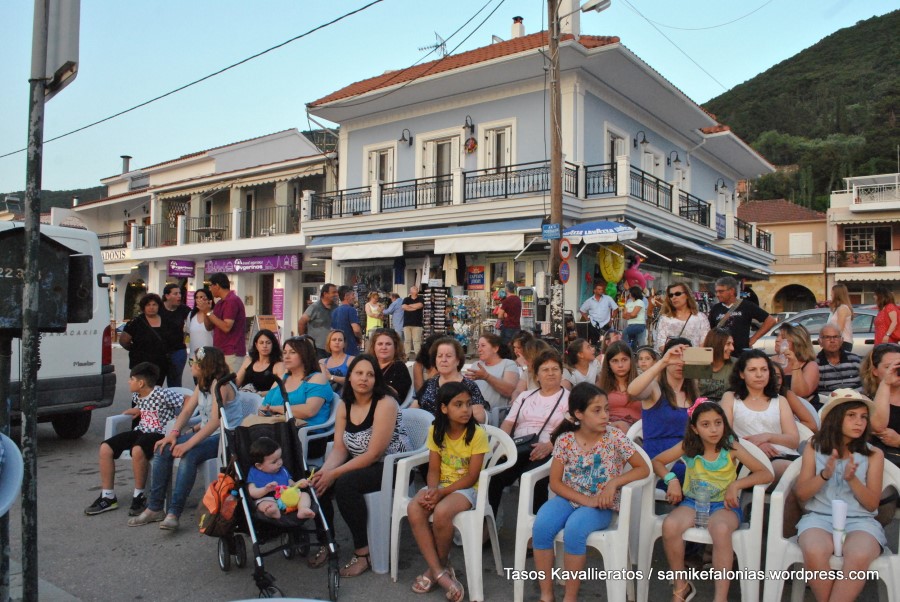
column 801, row 371
column 882, row 382
column 530, row 351
column 581, row 364
column 722, row 345
column 617, row 371
column 387, row 347
column 262, row 363
column 448, row 357
column 337, row 363
column 308, row 391
column 423, row 368
column 758, row 413
column 665, row 396
column 534, row 413
column 368, row 426
column 496, row 377
column 680, row 318
column 194, row 445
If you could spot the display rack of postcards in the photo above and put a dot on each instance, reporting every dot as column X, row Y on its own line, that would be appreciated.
column 465, row 316
column 362, row 291
column 435, row 318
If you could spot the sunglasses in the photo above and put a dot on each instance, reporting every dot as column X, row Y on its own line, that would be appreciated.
column 676, row 294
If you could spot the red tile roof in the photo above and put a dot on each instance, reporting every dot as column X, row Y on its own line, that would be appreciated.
column 776, row 211
column 715, row 129
column 457, row 61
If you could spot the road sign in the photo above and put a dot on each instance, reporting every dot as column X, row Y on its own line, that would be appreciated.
column 565, row 249
column 564, row 272
column 550, row 232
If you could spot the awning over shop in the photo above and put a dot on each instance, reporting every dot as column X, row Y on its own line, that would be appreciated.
column 880, row 276
column 367, row 251
column 479, row 243
column 119, row 268
column 600, row 231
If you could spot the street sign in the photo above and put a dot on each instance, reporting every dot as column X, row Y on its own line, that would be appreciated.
column 550, row 232
column 564, row 272
column 565, row 249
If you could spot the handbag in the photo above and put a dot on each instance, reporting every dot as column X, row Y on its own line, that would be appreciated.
column 525, row 442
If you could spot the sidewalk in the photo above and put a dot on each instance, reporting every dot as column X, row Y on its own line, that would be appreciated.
column 47, row 592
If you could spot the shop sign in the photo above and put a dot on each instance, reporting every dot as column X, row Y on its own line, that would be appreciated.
column 181, row 268
column 475, row 277
column 278, row 303
column 108, row 255
column 269, row 263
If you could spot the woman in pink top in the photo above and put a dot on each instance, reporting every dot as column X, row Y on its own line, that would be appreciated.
column 617, row 371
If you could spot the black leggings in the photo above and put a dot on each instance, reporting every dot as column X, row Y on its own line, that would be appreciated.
column 510, row 475
column 349, row 490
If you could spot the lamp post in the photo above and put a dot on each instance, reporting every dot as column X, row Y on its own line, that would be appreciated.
column 553, row 20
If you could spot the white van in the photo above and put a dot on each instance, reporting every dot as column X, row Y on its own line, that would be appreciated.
column 76, row 372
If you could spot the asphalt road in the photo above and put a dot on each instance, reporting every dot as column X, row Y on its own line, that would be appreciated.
column 101, row 558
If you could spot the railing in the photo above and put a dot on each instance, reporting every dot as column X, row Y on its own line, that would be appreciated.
column 506, row 181
column 156, row 235
column 114, row 240
column 763, row 240
column 742, row 230
column 693, row 208
column 650, row 189
column 807, row 259
column 600, row 179
column 342, row 203
column 209, row 228
column 570, row 178
column 270, row 221
column 417, row 193
column 856, row 259
column 876, row 193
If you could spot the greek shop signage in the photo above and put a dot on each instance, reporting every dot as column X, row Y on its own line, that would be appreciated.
column 269, row 263
column 181, row 268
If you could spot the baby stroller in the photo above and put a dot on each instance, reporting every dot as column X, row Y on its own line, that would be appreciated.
column 291, row 533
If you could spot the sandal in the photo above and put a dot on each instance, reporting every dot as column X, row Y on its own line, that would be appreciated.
column 424, row 584
column 455, row 592
column 355, row 567
column 686, row 594
column 319, row 559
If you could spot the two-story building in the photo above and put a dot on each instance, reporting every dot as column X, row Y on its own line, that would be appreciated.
column 450, row 157
column 864, row 235
column 233, row 208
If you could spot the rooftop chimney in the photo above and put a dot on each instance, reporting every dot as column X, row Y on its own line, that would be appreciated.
column 75, row 201
column 518, row 28
column 126, row 163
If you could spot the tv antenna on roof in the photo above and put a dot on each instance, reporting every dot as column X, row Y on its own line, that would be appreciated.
column 440, row 45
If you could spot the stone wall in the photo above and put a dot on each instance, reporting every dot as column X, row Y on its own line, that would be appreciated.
column 766, row 290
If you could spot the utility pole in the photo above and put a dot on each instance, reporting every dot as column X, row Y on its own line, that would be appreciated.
column 556, row 200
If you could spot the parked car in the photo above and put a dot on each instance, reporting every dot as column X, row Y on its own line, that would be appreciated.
column 783, row 316
column 814, row 319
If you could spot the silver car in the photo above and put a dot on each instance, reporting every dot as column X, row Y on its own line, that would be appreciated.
column 814, row 319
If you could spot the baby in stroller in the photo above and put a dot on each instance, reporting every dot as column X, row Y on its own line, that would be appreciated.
column 269, row 483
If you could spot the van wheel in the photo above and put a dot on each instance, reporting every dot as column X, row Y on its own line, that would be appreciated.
column 71, row 426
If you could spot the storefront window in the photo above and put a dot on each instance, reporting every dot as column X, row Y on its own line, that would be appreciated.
column 499, row 274
column 519, row 271
column 371, row 277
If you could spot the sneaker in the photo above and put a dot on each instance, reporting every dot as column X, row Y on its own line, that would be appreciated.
column 170, row 523
column 101, row 505
column 145, row 517
column 138, row 504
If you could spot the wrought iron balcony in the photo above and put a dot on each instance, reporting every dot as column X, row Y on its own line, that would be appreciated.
column 417, row 193
column 693, row 208
column 650, row 189
column 506, row 181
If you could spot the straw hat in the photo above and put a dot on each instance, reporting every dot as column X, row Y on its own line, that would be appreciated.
column 840, row 396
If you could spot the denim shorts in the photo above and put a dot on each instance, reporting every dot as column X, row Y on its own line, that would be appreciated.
column 713, row 507
column 470, row 494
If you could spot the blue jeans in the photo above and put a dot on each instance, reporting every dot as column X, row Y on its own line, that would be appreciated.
column 507, row 333
column 635, row 335
column 161, row 473
column 558, row 514
column 177, row 360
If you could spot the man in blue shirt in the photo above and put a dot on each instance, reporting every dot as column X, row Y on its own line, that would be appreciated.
column 598, row 310
column 346, row 319
column 396, row 312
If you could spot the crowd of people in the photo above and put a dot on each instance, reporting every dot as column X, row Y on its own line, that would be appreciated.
column 573, row 411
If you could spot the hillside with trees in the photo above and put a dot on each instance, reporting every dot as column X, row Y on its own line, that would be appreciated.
column 828, row 112
column 61, row 198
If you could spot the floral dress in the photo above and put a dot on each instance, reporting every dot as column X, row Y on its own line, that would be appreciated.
column 588, row 471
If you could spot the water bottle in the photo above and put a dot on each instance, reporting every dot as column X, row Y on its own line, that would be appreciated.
column 701, row 491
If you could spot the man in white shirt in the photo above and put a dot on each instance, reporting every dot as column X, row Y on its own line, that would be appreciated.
column 599, row 311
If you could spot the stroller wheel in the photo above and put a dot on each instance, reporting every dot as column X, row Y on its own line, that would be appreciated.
column 224, row 555
column 271, row 592
column 288, row 543
column 240, row 552
column 334, row 579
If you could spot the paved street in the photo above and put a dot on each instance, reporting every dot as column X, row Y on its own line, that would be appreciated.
column 101, row 558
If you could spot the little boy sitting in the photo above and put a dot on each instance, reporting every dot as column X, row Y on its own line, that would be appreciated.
column 154, row 407
column 268, row 476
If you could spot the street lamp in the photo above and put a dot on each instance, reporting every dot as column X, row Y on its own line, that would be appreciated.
column 556, row 203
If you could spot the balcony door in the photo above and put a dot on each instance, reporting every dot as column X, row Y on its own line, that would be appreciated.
column 440, row 158
column 381, row 165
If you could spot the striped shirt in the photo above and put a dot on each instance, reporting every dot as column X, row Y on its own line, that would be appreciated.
column 843, row 375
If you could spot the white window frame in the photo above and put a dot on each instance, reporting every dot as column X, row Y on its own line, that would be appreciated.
column 608, row 132
column 369, row 152
column 484, row 136
column 425, row 143
column 800, row 244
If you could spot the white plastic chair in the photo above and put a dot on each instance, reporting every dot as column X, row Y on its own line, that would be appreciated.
column 11, row 477
column 410, row 395
column 782, row 554
column 747, row 539
column 379, row 503
column 812, row 411
column 636, row 434
column 616, row 543
column 319, row 431
column 470, row 524
column 498, row 415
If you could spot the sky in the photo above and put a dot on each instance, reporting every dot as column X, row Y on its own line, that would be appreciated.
column 131, row 52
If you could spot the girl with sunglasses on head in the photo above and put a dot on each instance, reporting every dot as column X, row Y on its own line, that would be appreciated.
column 680, row 317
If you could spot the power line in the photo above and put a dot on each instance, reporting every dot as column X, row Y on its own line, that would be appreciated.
column 206, row 77
column 762, row 6
column 677, row 47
